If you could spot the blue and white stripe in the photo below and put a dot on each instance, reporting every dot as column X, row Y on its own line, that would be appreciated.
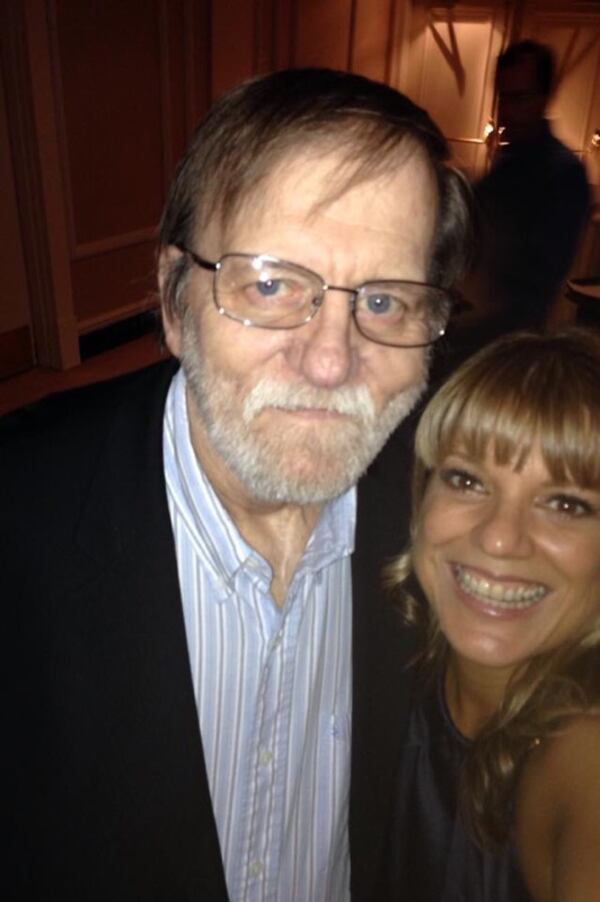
column 273, row 686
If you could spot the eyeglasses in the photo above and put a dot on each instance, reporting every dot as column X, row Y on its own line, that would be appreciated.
column 263, row 291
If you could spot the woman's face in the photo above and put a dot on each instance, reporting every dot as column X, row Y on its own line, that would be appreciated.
column 509, row 560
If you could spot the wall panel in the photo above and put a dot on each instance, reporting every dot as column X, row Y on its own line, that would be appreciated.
column 322, row 32
column 123, row 277
column 451, row 55
column 14, row 298
column 113, row 140
column 111, row 115
column 16, row 350
column 234, row 41
column 372, row 38
column 33, row 114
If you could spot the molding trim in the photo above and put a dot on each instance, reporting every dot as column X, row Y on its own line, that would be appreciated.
column 115, row 315
column 29, row 105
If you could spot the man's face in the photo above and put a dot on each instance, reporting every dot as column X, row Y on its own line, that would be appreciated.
column 520, row 102
column 295, row 416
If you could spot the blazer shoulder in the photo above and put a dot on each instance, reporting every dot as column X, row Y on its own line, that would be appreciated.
column 67, row 421
column 50, row 451
column 78, row 407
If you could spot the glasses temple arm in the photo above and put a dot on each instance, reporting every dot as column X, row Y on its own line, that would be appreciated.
column 199, row 261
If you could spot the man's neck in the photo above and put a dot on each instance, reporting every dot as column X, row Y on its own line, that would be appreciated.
column 279, row 535
column 528, row 137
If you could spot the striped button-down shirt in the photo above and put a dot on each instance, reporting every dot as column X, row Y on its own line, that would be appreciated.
column 273, row 685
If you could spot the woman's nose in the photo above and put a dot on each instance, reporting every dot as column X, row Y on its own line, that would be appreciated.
column 504, row 529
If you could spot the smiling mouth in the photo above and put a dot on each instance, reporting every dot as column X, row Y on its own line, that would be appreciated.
column 497, row 593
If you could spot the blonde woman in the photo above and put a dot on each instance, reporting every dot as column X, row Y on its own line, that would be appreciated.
column 498, row 794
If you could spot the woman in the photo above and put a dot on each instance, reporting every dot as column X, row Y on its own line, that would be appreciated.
column 499, row 789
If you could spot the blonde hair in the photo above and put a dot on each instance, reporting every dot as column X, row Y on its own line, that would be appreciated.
column 524, row 390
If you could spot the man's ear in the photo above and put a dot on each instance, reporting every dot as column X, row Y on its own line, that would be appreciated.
column 170, row 319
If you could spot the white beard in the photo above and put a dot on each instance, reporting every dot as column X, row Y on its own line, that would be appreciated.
column 290, row 462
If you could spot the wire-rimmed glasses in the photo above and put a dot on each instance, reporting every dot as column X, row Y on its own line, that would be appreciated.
column 263, row 291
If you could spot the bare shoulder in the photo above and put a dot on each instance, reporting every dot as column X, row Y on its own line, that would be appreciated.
column 558, row 813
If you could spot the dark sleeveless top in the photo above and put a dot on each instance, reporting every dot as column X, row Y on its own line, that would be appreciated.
column 431, row 857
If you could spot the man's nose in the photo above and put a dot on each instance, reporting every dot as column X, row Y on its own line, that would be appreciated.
column 503, row 530
column 329, row 352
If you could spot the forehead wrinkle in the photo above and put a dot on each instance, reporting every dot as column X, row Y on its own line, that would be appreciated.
column 351, row 173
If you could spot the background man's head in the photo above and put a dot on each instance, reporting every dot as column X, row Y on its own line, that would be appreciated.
column 524, row 81
column 344, row 177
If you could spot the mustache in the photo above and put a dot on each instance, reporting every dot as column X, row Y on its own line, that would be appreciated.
column 353, row 401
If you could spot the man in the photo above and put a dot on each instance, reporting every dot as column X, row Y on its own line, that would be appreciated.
column 196, row 575
column 534, row 200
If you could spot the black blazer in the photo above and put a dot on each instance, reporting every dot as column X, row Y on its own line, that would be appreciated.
column 109, row 782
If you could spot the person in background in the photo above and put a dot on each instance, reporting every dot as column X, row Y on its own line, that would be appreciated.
column 191, row 553
column 532, row 208
column 535, row 199
column 498, row 792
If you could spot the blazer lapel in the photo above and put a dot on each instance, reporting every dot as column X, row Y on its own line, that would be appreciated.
column 126, row 529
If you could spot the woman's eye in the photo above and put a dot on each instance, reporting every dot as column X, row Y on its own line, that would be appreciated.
column 570, row 505
column 461, row 480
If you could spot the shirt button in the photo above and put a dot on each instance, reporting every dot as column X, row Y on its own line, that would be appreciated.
column 276, row 642
column 265, row 757
column 255, row 868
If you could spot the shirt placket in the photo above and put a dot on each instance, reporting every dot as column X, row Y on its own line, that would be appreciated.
column 267, row 821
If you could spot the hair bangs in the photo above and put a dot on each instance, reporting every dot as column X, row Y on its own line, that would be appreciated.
column 510, row 400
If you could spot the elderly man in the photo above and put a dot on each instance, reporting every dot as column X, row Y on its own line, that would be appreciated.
column 196, row 572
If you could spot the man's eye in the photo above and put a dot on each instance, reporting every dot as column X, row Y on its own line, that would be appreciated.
column 461, row 480
column 269, row 287
column 570, row 505
column 274, row 289
column 382, row 303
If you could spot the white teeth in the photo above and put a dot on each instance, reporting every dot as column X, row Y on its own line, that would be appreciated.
column 496, row 593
